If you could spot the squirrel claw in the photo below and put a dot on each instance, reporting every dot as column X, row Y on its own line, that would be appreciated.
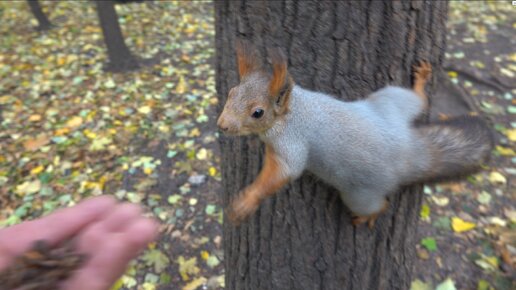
column 370, row 220
column 423, row 71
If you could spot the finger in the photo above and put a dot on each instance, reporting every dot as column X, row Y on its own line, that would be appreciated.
column 122, row 216
column 53, row 228
column 111, row 254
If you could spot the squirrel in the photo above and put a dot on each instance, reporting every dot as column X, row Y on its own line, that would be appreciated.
column 366, row 149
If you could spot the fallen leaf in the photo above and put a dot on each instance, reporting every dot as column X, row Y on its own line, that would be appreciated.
column 195, row 284
column 484, row 197
column 36, row 143
column 459, row 225
column 504, row 151
column 448, row 284
column 74, row 122
column 496, row 177
column 440, row 200
column 145, row 109
column 429, row 243
column 202, row 154
column 28, row 187
column 155, row 258
column 425, row 211
column 489, row 263
column 511, row 134
column 213, row 261
column 187, row 267
column 37, row 170
column 35, row 118
column 420, row 285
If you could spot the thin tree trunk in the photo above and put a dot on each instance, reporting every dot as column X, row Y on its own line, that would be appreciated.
column 43, row 22
column 303, row 238
column 120, row 57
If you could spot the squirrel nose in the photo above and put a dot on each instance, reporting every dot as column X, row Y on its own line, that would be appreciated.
column 221, row 125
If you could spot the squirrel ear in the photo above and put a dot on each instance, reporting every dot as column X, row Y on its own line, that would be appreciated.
column 279, row 71
column 246, row 57
column 281, row 83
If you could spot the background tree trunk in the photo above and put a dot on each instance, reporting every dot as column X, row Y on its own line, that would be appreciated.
column 120, row 57
column 303, row 238
column 43, row 22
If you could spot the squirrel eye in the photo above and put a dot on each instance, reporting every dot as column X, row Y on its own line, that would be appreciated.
column 258, row 113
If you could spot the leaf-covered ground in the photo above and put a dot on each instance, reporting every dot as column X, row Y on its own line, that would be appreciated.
column 68, row 130
column 468, row 229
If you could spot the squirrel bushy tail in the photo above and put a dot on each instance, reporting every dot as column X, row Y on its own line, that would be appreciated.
column 457, row 147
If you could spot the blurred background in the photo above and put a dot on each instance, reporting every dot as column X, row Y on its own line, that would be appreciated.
column 122, row 102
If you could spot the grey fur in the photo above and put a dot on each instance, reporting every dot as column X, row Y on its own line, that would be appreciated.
column 368, row 148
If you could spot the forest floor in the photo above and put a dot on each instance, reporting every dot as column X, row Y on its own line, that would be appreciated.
column 68, row 130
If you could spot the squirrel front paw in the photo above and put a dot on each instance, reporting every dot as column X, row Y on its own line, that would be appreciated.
column 244, row 205
column 423, row 71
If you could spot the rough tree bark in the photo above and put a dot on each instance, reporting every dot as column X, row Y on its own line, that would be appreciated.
column 302, row 238
column 120, row 57
column 43, row 22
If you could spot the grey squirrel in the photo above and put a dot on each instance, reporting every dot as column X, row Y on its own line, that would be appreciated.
column 366, row 149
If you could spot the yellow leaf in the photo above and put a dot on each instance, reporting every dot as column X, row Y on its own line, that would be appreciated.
column 195, row 132
column 147, row 170
column 181, row 86
column 61, row 132
column 212, row 171
column 5, row 99
column 452, row 74
column 88, row 133
column 504, row 151
column 35, row 118
column 460, row 225
column 145, row 109
column 511, row 134
column 118, row 284
column 195, row 284
column 28, row 187
column 202, row 154
column 61, row 60
column 205, row 255
column 425, row 211
column 37, row 170
column 148, row 286
column 497, row 177
column 74, row 122
column 187, row 267
column 512, row 56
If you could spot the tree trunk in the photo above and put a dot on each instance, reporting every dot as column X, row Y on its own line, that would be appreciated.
column 43, row 22
column 120, row 57
column 303, row 238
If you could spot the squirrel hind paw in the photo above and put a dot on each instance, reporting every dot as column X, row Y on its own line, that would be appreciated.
column 423, row 71
column 370, row 220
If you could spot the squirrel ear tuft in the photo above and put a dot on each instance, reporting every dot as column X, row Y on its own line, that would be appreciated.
column 247, row 57
column 281, row 83
column 279, row 71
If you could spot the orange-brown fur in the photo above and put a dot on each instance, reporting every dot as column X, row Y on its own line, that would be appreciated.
column 267, row 183
column 422, row 74
column 247, row 58
column 257, row 90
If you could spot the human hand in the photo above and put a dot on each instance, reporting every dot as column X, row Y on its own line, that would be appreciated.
column 109, row 233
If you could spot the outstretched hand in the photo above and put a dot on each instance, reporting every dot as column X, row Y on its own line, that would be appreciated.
column 111, row 234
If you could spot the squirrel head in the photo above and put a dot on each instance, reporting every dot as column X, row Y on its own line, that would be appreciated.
column 261, row 97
